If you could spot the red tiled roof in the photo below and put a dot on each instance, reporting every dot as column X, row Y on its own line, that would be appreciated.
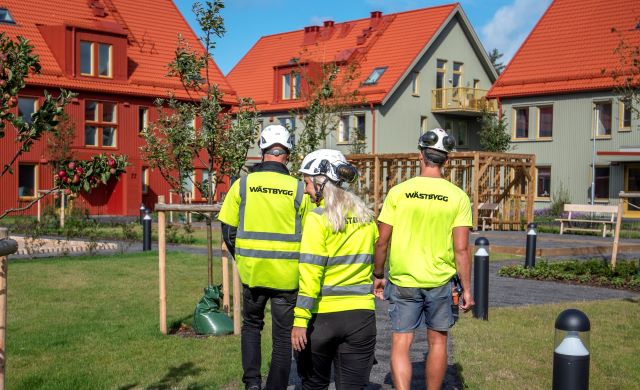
column 569, row 47
column 394, row 43
column 152, row 27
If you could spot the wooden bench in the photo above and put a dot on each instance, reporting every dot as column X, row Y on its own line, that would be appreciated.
column 489, row 217
column 601, row 214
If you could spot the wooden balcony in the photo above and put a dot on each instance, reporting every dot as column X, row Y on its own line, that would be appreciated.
column 462, row 101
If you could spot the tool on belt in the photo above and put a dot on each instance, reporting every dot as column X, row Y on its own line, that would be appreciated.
column 456, row 296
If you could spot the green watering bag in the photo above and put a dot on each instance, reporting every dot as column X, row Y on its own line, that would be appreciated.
column 207, row 318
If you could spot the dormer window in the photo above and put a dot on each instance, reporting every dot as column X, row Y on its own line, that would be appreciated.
column 96, row 59
column 375, row 76
column 5, row 16
column 291, row 86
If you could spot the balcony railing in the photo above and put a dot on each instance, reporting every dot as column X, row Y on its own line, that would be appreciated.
column 470, row 100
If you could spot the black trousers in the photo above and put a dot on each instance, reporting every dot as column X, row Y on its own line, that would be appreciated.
column 345, row 339
column 254, row 302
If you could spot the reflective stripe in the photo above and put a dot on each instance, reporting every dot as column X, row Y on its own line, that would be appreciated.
column 260, row 254
column 350, row 259
column 313, row 259
column 270, row 236
column 318, row 210
column 283, row 237
column 305, row 302
column 296, row 204
column 243, row 204
column 358, row 289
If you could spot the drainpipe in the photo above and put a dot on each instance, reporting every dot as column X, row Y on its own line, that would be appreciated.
column 73, row 51
column 499, row 107
column 373, row 128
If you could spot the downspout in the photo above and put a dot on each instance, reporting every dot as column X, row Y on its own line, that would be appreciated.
column 73, row 51
column 499, row 107
column 373, row 128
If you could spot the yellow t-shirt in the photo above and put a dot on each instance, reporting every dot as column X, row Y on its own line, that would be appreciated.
column 423, row 212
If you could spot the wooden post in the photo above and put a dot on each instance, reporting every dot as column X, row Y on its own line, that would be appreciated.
column 531, row 189
column 236, row 299
column 162, row 262
column 4, row 234
column 476, row 188
column 170, row 202
column 61, row 209
column 39, row 209
column 616, row 236
column 225, row 277
column 376, row 185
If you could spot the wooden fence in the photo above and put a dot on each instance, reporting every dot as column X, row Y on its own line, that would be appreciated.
column 505, row 179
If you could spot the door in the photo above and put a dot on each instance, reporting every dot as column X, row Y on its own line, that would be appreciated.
column 458, row 129
column 632, row 184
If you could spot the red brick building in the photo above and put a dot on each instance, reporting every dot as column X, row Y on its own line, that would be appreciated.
column 114, row 54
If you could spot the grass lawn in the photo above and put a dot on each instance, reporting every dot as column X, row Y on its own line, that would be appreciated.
column 514, row 349
column 92, row 323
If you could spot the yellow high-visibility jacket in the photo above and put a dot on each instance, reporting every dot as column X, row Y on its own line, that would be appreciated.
column 268, row 208
column 335, row 268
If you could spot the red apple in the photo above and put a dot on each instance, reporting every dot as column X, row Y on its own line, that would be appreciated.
column 112, row 171
column 66, row 180
column 79, row 170
column 13, row 101
column 76, row 179
column 111, row 163
column 67, row 191
column 62, row 173
column 71, row 165
column 3, row 83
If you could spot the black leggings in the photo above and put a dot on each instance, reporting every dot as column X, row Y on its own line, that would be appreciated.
column 345, row 339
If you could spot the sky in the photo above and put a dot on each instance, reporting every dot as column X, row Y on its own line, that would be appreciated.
column 501, row 24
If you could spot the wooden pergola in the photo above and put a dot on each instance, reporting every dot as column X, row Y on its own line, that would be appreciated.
column 505, row 179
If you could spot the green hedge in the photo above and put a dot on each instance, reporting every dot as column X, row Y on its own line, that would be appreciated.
column 591, row 272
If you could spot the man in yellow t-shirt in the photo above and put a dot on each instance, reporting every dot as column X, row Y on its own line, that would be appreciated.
column 429, row 219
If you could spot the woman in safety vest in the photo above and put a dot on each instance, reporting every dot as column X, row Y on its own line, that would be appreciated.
column 334, row 318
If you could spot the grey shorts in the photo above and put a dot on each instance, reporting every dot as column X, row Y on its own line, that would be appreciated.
column 412, row 308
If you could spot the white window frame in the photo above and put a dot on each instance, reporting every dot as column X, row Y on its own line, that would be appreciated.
column 415, row 83
column 344, row 135
column 596, row 119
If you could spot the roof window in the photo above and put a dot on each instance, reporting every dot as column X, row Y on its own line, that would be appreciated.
column 5, row 16
column 374, row 76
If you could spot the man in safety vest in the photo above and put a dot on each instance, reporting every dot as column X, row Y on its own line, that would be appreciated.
column 429, row 218
column 262, row 218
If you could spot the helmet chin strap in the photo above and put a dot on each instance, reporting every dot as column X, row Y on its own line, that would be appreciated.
column 319, row 187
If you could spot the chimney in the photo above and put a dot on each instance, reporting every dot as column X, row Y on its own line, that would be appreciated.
column 376, row 16
column 329, row 23
column 97, row 8
column 310, row 35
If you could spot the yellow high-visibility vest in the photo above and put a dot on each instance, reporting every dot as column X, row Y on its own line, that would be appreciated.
column 268, row 209
column 335, row 268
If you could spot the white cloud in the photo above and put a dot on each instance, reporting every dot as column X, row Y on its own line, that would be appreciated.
column 510, row 25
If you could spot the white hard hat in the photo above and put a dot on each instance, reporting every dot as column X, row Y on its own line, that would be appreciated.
column 330, row 163
column 275, row 135
column 437, row 139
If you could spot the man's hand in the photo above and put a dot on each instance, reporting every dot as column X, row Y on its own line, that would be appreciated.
column 378, row 287
column 298, row 338
column 467, row 301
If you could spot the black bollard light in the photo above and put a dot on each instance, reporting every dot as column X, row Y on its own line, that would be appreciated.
column 481, row 279
column 146, row 231
column 142, row 210
column 532, row 235
column 571, row 353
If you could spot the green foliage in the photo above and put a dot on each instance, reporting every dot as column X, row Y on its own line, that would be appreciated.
column 559, row 198
column 330, row 95
column 494, row 134
column 221, row 143
column 627, row 72
column 494, row 56
column 625, row 275
column 16, row 62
